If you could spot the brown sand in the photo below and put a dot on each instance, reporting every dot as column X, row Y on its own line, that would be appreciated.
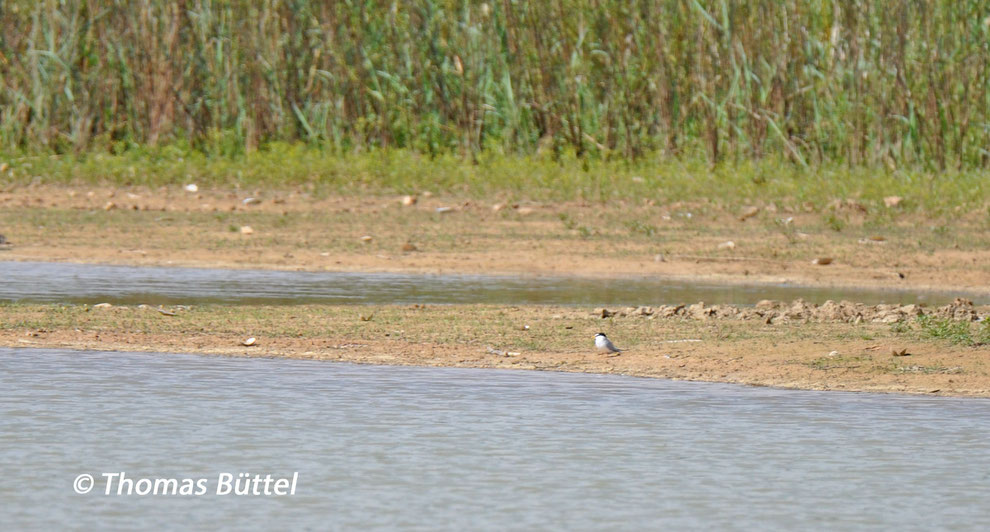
column 292, row 229
column 778, row 348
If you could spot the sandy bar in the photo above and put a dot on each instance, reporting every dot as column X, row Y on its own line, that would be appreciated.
column 780, row 351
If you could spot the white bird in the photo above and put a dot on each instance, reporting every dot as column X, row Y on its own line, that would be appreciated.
column 604, row 344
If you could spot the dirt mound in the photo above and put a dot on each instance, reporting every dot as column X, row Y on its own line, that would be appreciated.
column 799, row 310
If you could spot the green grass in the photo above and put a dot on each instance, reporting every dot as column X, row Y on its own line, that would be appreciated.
column 955, row 332
column 518, row 177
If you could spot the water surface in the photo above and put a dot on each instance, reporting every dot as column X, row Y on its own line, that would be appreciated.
column 466, row 449
column 93, row 283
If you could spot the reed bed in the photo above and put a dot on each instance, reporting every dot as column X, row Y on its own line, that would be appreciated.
column 888, row 84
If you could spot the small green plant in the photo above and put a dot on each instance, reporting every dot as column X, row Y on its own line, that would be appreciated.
column 956, row 332
column 636, row 226
column 900, row 327
column 569, row 222
column 983, row 332
column 834, row 223
column 940, row 230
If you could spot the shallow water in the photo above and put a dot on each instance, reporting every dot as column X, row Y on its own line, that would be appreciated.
column 89, row 283
column 465, row 449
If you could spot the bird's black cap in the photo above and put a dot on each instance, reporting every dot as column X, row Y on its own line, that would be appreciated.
column 601, row 333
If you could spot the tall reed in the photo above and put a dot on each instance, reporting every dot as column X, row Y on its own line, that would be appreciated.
column 892, row 83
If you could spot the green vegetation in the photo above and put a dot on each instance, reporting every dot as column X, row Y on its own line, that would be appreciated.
column 955, row 332
column 893, row 84
column 661, row 180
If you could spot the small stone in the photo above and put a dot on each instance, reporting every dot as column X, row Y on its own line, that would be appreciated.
column 247, row 230
column 191, row 187
column 727, row 245
column 892, row 201
column 829, row 311
column 102, row 305
column 249, row 342
column 409, row 247
column 409, row 200
column 889, row 317
column 822, row 261
column 748, row 213
column 251, row 201
column 366, row 239
column 110, row 206
column 799, row 310
column 911, row 310
column 698, row 311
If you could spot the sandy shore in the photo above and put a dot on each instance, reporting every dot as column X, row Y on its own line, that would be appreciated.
column 818, row 348
column 293, row 229
column 880, row 349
